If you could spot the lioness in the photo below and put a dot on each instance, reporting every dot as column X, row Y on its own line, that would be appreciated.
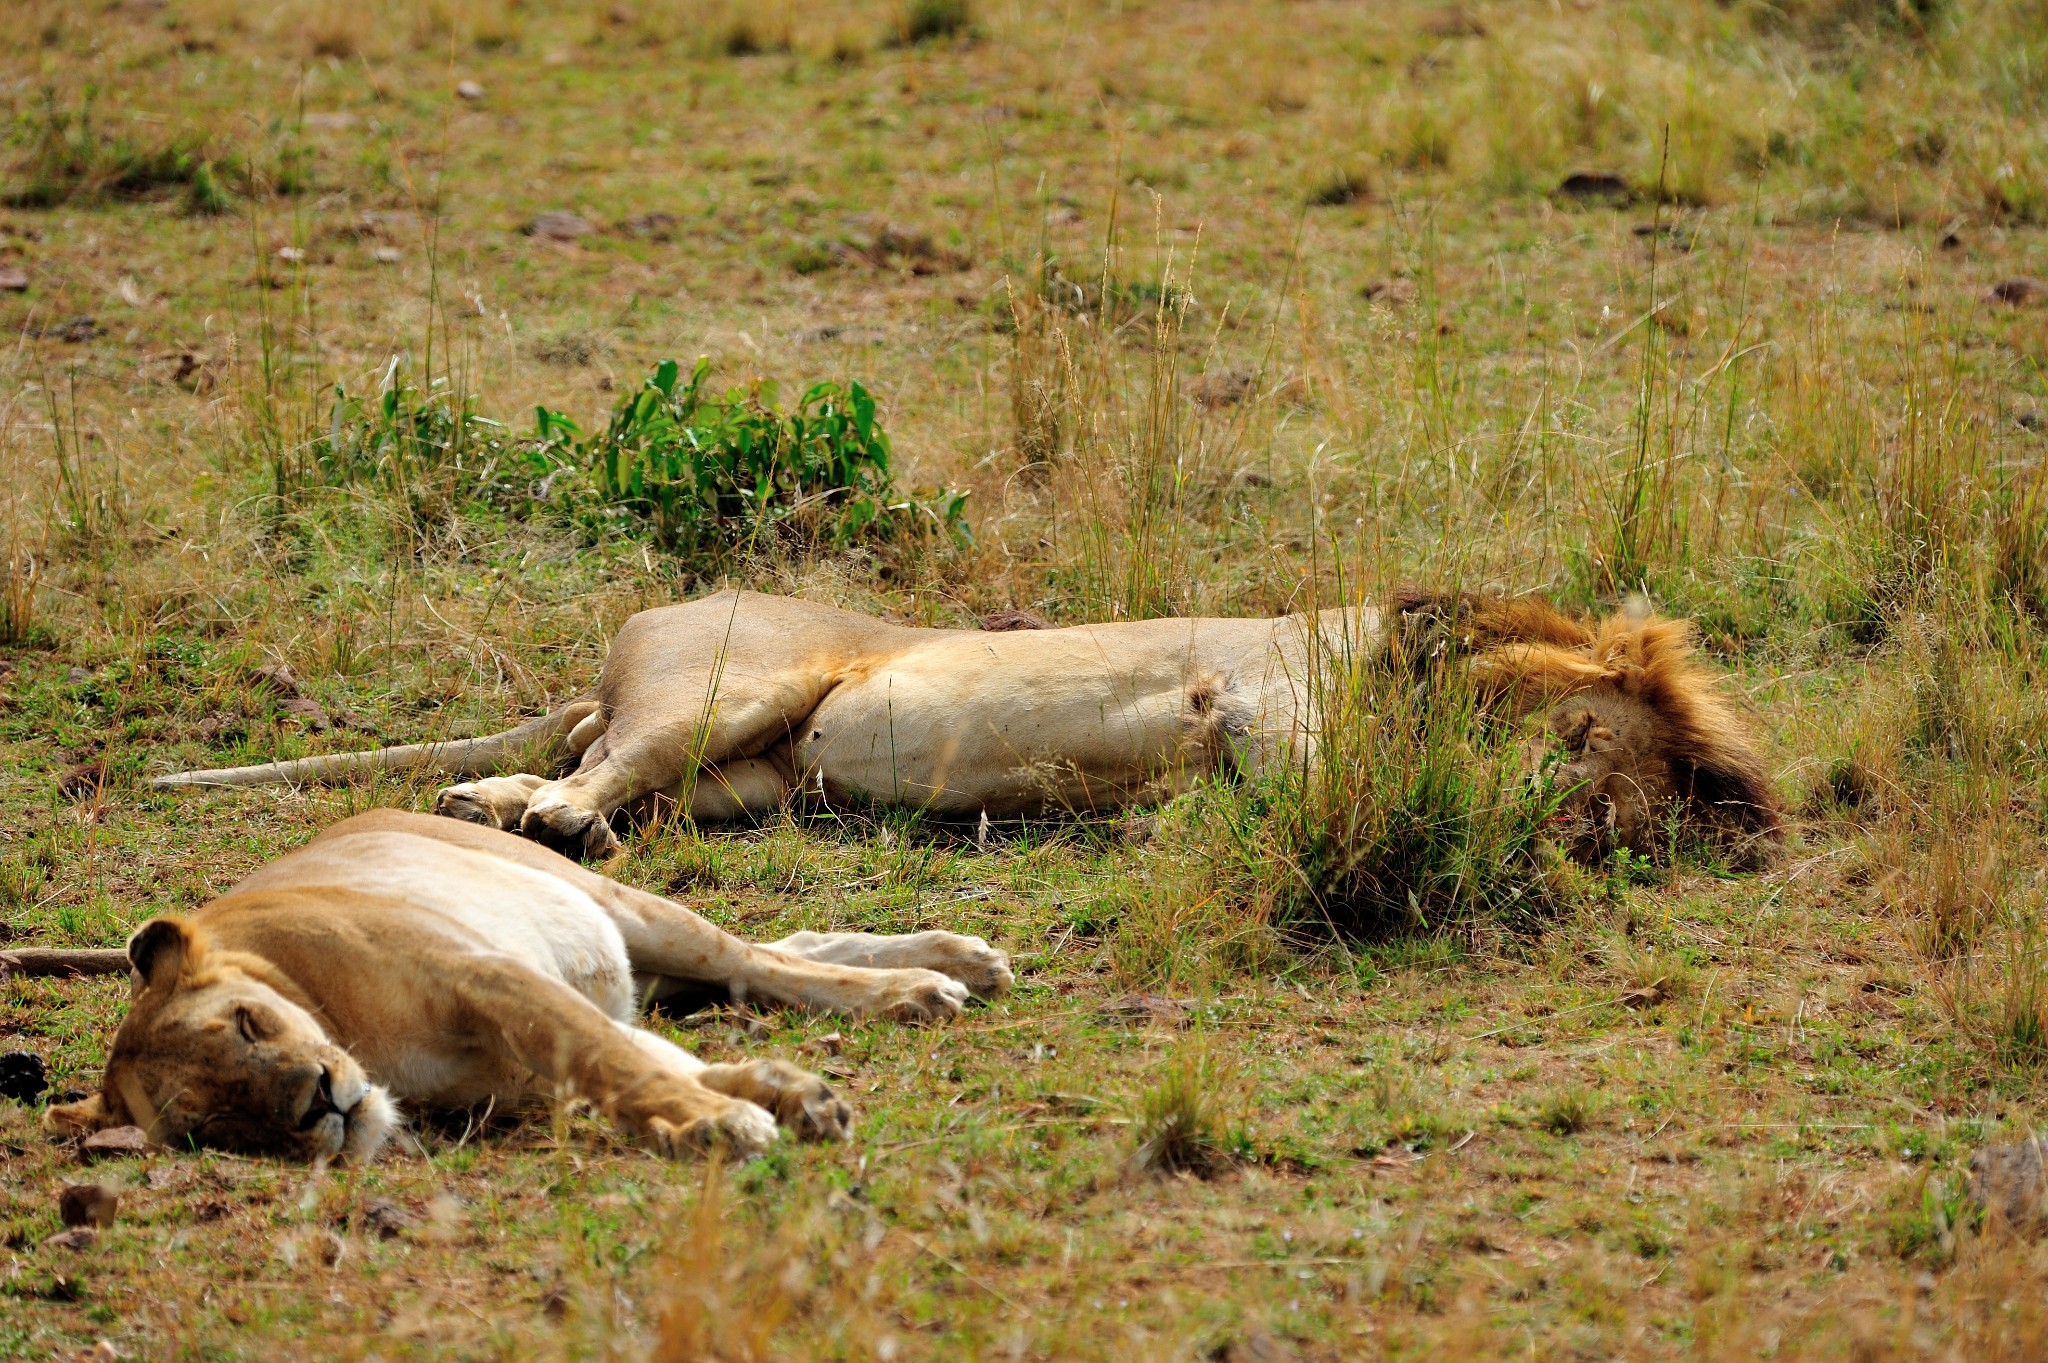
column 731, row 703
column 399, row 958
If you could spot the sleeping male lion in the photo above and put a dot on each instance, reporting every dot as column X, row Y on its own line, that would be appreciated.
column 399, row 958
column 733, row 703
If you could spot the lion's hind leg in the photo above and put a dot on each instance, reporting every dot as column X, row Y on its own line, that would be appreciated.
column 984, row 969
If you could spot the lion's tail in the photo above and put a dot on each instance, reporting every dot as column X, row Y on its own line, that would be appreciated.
column 455, row 757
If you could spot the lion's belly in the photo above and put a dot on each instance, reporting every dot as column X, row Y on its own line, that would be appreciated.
column 1016, row 724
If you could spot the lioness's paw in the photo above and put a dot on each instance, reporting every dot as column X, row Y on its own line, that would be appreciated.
column 921, row 996
column 739, row 1130
column 572, row 831
column 984, row 969
column 800, row 1100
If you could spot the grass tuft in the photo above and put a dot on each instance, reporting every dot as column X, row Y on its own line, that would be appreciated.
column 1415, row 812
column 1177, row 1125
column 922, row 21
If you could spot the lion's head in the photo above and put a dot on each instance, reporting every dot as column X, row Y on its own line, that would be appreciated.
column 1642, row 732
column 1644, row 737
column 213, row 1052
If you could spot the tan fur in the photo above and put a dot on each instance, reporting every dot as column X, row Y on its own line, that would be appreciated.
column 404, row 958
column 732, row 704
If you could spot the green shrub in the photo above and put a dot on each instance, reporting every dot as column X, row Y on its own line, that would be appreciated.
column 703, row 475
column 426, row 446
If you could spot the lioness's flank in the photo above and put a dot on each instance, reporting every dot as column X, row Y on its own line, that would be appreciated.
column 733, row 703
column 400, row 958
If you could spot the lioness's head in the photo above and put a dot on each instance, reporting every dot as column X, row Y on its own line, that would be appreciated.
column 1643, row 737
column 211, row 1053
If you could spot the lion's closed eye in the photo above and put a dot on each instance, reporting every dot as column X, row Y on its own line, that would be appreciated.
column 250, row 1026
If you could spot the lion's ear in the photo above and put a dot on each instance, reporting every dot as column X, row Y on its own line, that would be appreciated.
column 81, row 1118
column 158, row 951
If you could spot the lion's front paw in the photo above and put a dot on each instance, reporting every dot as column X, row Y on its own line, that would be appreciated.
column 737, row 1129
column 568, row 829
column 494, row 802
column 800, row 1100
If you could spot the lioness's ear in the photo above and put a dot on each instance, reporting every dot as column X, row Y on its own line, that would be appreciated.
column 81, row 1118
column 158, row 951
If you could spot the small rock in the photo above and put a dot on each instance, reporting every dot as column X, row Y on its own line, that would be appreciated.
column 218, row 723
column 385, row 255
column 1148, row 1007
column 13, row 280
column 275, row 678
column 2016, row 293
column 559, row 227
column 829, row 1044
column 22, row 1077
column 291, row 255
column 387, row 1218
column 469, row 89
column 1595, row 186
column 74, row 331
column 308, row 710
column 2005, row 1180
column 77, row 676
column 88, row 1204
column 80, row 1238
column 115, row 1142
column 652, row 226
column 1649, row 996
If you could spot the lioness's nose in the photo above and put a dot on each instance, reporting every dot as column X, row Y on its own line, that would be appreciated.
column 322, row 1101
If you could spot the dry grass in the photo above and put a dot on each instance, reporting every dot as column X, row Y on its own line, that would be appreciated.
column 1229, row 308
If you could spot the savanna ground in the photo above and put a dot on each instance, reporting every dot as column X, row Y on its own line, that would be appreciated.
column 1222, row 307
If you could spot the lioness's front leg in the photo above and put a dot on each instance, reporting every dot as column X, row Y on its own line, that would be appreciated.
column 651, row 1089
